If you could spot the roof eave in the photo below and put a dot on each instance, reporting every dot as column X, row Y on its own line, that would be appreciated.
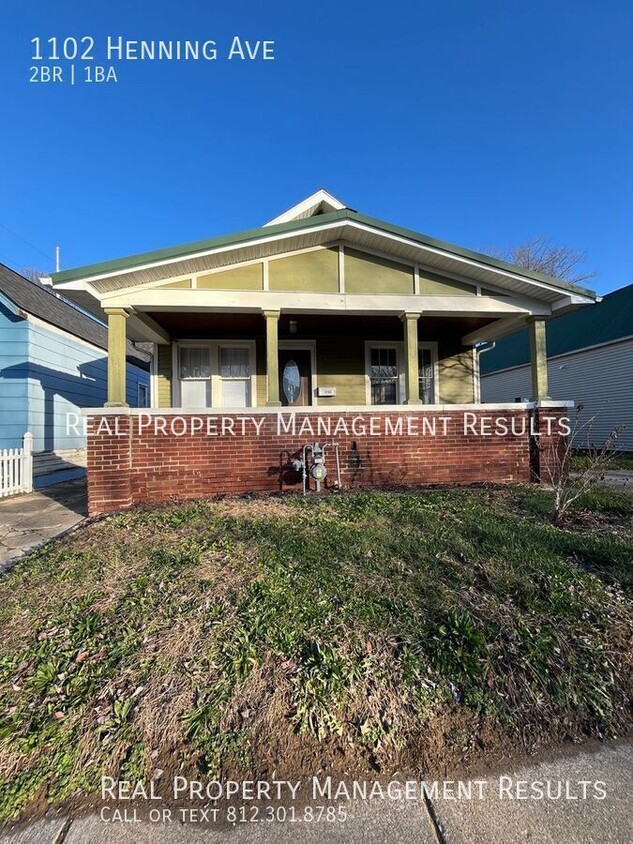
column 199, row 248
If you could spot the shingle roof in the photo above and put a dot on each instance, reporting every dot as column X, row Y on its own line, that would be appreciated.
column 609, row 320
column 42, row 302
column 299, row 225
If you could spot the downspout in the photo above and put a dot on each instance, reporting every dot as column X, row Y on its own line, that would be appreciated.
column 479, row 350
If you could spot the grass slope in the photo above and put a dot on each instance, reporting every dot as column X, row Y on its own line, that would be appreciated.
column 367, row 631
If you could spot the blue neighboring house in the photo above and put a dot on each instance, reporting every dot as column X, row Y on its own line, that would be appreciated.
column 53, row 361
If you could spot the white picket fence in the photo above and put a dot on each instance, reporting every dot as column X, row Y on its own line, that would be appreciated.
column 16, row 468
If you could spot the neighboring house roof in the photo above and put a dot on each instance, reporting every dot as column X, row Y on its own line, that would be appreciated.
column 315, row 205
column 42, row 302
column 608, row 321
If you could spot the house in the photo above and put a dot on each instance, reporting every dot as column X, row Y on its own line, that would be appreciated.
column 52, row 363
column 590, row 360
column 322, row 314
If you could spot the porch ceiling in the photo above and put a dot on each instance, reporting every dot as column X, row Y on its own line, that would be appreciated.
column 181, row 325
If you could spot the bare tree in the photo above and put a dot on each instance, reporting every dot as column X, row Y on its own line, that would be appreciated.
column 555, row 459
column 542, row 256
column 33, row 274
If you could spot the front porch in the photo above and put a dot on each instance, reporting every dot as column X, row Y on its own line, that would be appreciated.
column 280, row 358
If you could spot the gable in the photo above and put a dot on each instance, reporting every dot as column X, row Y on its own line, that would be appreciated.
column 317, row 271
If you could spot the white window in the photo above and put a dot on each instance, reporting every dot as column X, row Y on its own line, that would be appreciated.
column 195, row 362
column 427, row 360
column 383, row 374
column 195, row 376
column 235, row 376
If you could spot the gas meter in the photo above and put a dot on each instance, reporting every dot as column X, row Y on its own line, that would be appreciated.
column 318, row 470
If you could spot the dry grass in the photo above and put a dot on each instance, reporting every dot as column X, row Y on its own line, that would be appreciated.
column 360, row 633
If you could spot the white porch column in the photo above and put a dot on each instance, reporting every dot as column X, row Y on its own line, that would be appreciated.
column 272, row 357
column 117, row 318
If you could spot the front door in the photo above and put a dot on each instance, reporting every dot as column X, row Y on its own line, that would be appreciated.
column 295, row 377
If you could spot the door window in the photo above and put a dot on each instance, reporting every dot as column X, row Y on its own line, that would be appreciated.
column 291, row 381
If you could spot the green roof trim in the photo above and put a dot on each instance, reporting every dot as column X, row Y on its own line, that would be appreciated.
column 173, row 253
column 608, row 321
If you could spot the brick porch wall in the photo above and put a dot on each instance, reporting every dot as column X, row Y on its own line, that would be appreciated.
column 131, row 461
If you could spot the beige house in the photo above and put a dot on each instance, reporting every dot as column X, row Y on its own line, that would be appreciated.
column 321, row 307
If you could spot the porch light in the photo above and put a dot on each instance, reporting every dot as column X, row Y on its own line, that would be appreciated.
column 293, row 326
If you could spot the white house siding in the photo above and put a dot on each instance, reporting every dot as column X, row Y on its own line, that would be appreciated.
column 600, row 378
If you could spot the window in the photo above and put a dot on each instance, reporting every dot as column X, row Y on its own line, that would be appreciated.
column 195, row 376
column 426, row 375
column 143, row 395
column 383, row 375
column 235, row 376
column 216, row 373
column 195, row 363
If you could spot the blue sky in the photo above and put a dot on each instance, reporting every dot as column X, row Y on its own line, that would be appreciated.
column 482, row 123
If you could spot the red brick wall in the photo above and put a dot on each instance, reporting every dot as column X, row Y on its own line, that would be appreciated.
column 129, row 461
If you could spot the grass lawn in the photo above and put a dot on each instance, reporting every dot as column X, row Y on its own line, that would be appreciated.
column 619, row 461
column 362, row 632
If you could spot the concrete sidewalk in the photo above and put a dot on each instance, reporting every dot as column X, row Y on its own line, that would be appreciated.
column 27, row 521
column 514, row 818
column 619, row 478
column 615, row 478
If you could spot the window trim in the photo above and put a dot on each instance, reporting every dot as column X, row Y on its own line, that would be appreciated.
column 432, row 346
column 147, row 387
column 398, row 345
column 214, row 347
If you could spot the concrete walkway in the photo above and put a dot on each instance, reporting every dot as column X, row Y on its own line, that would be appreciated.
column 507, row 813
column 27, row 521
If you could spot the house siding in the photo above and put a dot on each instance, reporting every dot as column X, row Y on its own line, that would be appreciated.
column 249, row 277
column 46, row 374
column 601, row 379
column 456, row 376
column 369, row 274
column 309, row 272
column 64, row 376
column 317, row 271
column 164, row 397
column 13, row 381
